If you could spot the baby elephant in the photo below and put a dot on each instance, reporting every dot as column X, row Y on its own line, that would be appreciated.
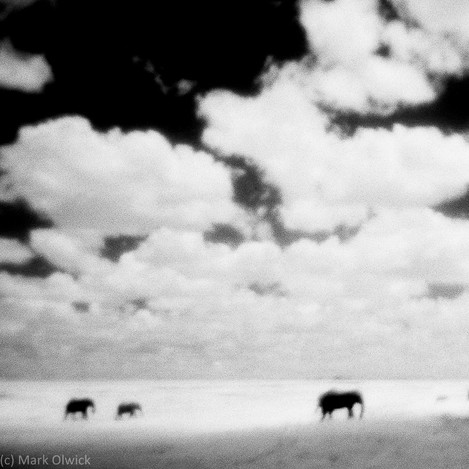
column 332, row 400
column 130, row 408
column 79, row 406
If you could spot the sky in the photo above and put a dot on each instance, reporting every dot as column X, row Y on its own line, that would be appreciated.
column 234, row 190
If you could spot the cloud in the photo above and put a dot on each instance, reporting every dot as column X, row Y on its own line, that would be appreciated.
column 317, row 170
column 351, row 72
column 447, row 16
column 12, row 251
column 177, row 295
column 65, row 252
column 115, row 182
column 158, row 276
column 409, row 248
column 23, row 71
column 437, row 54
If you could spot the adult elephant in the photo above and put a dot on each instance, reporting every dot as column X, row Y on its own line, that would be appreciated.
column 79, row 406
column 130, row 408
column 332, row 400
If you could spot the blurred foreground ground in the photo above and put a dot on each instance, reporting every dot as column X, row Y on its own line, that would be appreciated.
column 436, row 442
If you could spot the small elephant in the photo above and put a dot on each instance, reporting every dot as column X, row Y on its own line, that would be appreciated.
column 332, row 400
column 130, row 408
column 80, row 406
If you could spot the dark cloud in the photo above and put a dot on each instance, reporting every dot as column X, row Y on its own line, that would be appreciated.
column 251, row 189
column 81, row 306
column 139, row 303
column 274, row 289
column 254, row 193
column 223, row 233
column 445, row 290
column 115, row 246
column 38, row 266
column 388, row 10
column 456, row 208
column 286, row 236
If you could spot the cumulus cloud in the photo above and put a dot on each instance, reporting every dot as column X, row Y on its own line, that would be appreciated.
column 12, row 251
column 360, row 62
column 65, row 251
column 369, row 291
column 21, row 70
column 399, row 251
column 115, row 182
column 437, row 54
column 169, row 302
column 326, row 179
column 450, row 16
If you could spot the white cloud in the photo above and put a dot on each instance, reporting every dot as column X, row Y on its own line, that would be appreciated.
column 325, row 179
column 178, row 306
column 442, row 16
column 345, row 36
column 12, row 251
column 437, row 54
column 115, row 182
column 66, row 252
column 368, row 292
column 399, row 251
column 57, row 288
column 341, row 32
column 22, row 71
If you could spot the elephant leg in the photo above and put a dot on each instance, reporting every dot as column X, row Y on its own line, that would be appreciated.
column 324, row 413
column 350, row 412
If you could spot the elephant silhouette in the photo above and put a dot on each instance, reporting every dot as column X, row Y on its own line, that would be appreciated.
column 332, row 400
column 130, row 408
column 79, row 406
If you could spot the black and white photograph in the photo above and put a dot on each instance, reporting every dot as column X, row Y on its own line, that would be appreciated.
column 234, row 234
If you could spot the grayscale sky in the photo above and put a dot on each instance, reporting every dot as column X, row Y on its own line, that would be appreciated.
column 269, row 189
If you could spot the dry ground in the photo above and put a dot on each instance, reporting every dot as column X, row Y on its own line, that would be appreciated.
column 430, row 443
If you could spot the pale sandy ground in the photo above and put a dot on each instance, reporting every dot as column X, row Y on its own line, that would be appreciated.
column 432, row 442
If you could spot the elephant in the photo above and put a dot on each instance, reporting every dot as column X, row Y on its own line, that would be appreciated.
column 81, row 406
column 332, row 400
column 130, row 408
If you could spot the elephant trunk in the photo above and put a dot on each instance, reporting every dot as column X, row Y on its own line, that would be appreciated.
column 362, row 411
